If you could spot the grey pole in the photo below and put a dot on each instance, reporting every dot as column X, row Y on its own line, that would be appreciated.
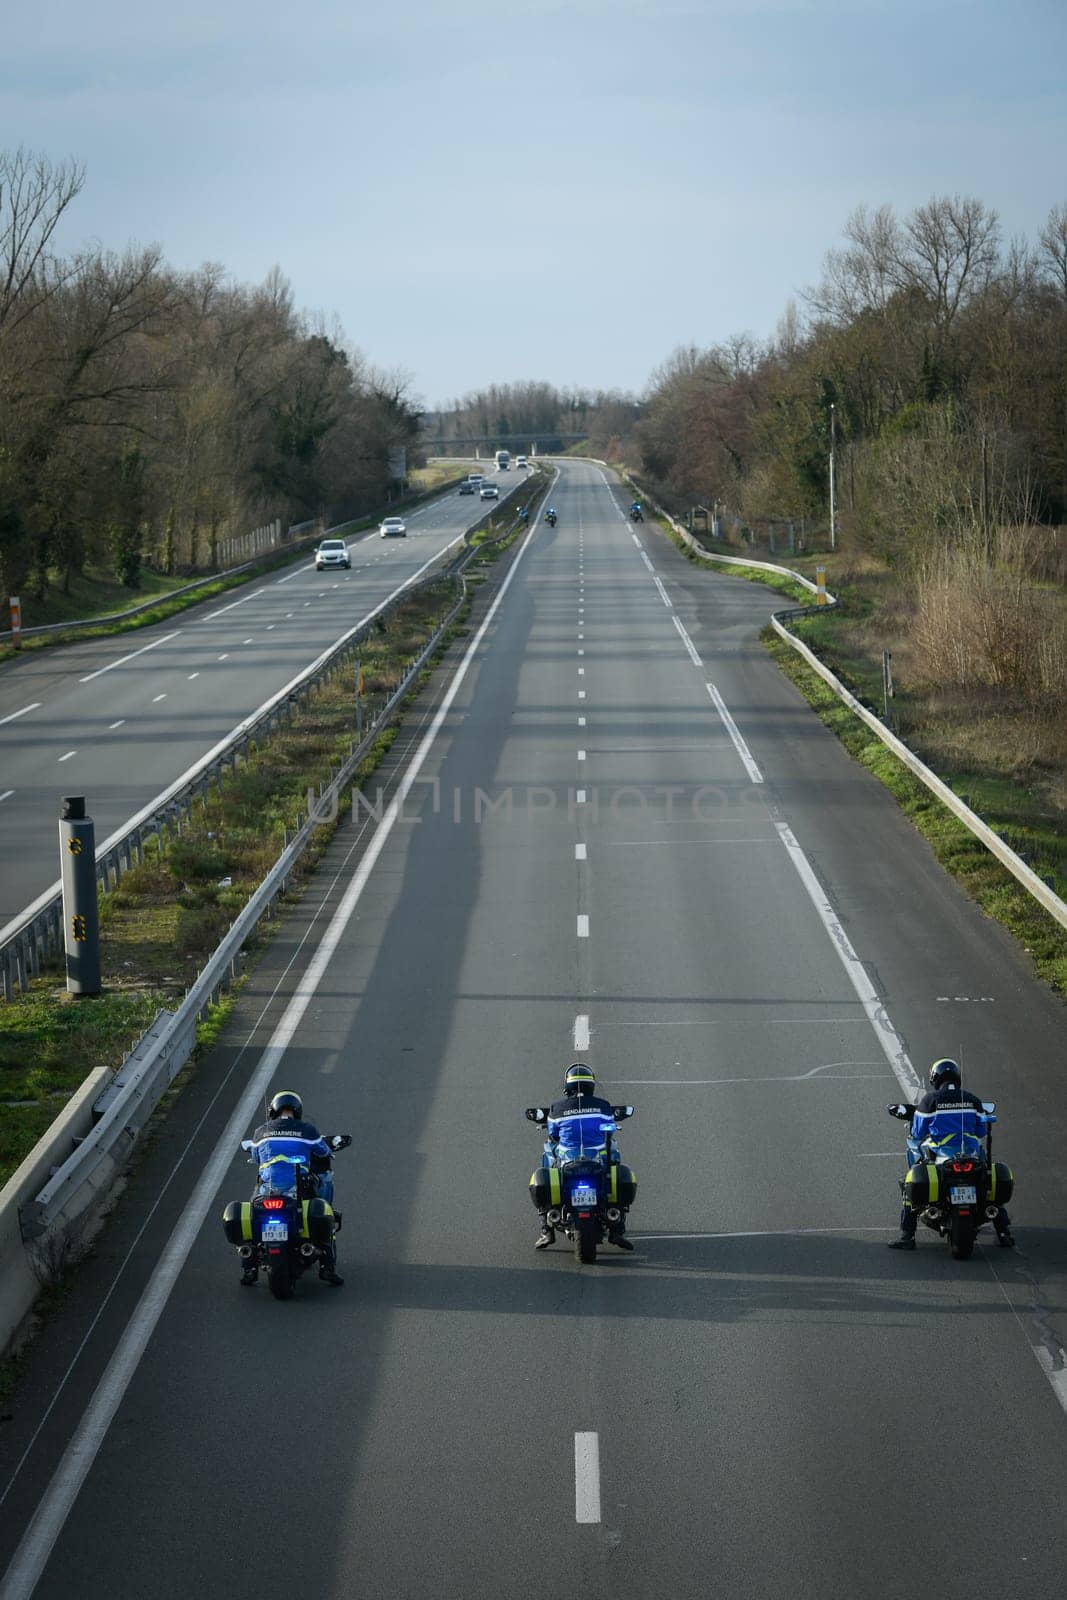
column 81, row 923
column 833, row 503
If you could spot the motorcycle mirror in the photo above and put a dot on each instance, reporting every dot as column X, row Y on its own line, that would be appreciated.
column 247, row 1144
column 989, row 1106
column 535, row 1114
column 620, row 1113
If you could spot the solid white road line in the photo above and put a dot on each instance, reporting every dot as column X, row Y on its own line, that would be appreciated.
column 886, row 1034
column 14, row 715
column 664, row 596
column 581, row 1033
column 579, row 849
column 583, row 927
column 51, row 1515
column 121, row 662
column 687, row 641
column 587, row 1477
column 647, row 562
column 732, row 729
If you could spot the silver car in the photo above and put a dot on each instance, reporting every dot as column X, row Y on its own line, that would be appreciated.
column 393, row 528
column 490, row 491
column 332, row 553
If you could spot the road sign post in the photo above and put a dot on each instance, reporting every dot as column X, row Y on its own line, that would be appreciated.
column 16, row 622
column 820, row 586
column 81, row 923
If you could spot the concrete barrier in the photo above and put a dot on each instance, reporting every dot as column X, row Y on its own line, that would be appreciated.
column 25, row 1266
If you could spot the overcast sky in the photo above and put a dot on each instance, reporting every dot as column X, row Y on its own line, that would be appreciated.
column 502, row 189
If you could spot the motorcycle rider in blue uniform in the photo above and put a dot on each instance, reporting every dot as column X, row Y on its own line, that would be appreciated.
column 946, row 1094
column 286, row 1123
column 567, row 1133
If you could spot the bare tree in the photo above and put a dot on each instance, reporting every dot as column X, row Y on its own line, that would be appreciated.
column 33, row 196
column 1053, row 239
column 950, row 250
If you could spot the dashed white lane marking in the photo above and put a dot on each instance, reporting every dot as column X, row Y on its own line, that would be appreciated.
column 224, row 657
column 579, row 798
column 579, row 852
column 6, row 794
column 581, row 722
column 289, row 614
column 581, row 694
column 156, row 698
column 271, row 626
column 583, row 927
column 581, row 672
column 235, row 603
column 735, row 734
column 14, row 715
column 581, row 652
column 587, row 1477
column 191, row 676
column 121, row 723
column 647, row 562
column 664, row 596
column 687, row 641
column 581, row 1032
column 636, row 540
column 247, row 641
column 877, row 1015
column 68, row 755
column 581, row 755
column 122, row 660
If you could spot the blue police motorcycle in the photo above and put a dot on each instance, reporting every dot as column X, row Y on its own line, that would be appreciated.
column 952, row 1180
column 289, row 1222
column 581, row 1185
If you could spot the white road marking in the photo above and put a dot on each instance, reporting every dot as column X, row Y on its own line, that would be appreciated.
column 581, row 722
column 580, row 797
column 581, row 755
column 758, row 1233
column 6, row 794
column 53, row 1510
column 14, row 715
column 732, row 729
column 587, row 1477
column 224, row 657
column 119, row 724
column 581, row 672
column 687, row 641
column 647, row 562
column 579, row 849
column 191, row 676
column 581, row 652
column 581, row 694
column 271, row 626
column 887, row 1035
column 68, row 755
column 1055, row 1370
column 121, row 662
column 581, row 1032
column 583, row 927
column 664, row 596
column 235, row 603
column 248, row 641
column 156, row 698
column 636, row 540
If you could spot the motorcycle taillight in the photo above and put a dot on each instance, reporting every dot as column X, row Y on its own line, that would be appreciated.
column 274, row 1205
column 963, row 1166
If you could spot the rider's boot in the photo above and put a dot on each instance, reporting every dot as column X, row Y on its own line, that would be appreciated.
column 617, row 1237
column 328, row 1267
column 547, row 1235
column 1002, row 1224
column 909, row 1222
column 250, row 1274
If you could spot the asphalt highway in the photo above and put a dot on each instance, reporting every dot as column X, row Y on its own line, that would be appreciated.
column 120, row 719
column 624, row 837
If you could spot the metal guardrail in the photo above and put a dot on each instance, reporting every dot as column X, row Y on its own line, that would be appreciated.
column 155, row 1061
column 28, row 941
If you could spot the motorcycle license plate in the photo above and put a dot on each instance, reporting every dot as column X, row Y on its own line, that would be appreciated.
column 583, row 1195
column 275, row 1232
column 963, row 1194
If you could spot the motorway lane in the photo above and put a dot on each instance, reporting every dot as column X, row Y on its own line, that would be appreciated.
column 122, row 718
column 754, row 1397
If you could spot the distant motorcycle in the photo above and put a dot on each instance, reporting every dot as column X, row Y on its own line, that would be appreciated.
column 636, row 514
column 583, row 1188
column 953, row 1182
column 285, row 1226
column 550, row 518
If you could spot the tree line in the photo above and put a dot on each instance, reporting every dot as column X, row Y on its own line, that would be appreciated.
column 146, row 413
column 932, row 352
column 520, row 416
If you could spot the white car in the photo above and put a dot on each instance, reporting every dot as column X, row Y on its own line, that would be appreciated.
column 521, row 461
column 332, row 553
column 489, row 491
column 393, row 528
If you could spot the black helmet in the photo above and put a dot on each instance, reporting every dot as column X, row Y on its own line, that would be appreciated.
column 579, row 1079
column 944, row 1072
column 286, row 1100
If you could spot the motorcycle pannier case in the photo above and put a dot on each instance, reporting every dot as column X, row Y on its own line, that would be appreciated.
column 545, row 1188
column 318, row 1224
column 1001, row 1184
column 237, row 1221
column 622, row 1186
column 922, row 1186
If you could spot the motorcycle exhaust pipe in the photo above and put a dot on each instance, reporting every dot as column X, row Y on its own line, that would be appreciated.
column 614, row 1214
column 553, row 1218
column 307, row 1251
column 991, row 1211
column 245, row 1252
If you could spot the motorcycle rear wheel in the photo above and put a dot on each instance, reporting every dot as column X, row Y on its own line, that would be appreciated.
column 961, row 1236
column 280, row 1276
column 585, row 1241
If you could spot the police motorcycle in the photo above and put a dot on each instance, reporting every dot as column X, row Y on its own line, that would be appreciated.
column 581, row 1185
column 551, row 517
column 636, row 514
column 287, row 1225
column 952, row 1180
